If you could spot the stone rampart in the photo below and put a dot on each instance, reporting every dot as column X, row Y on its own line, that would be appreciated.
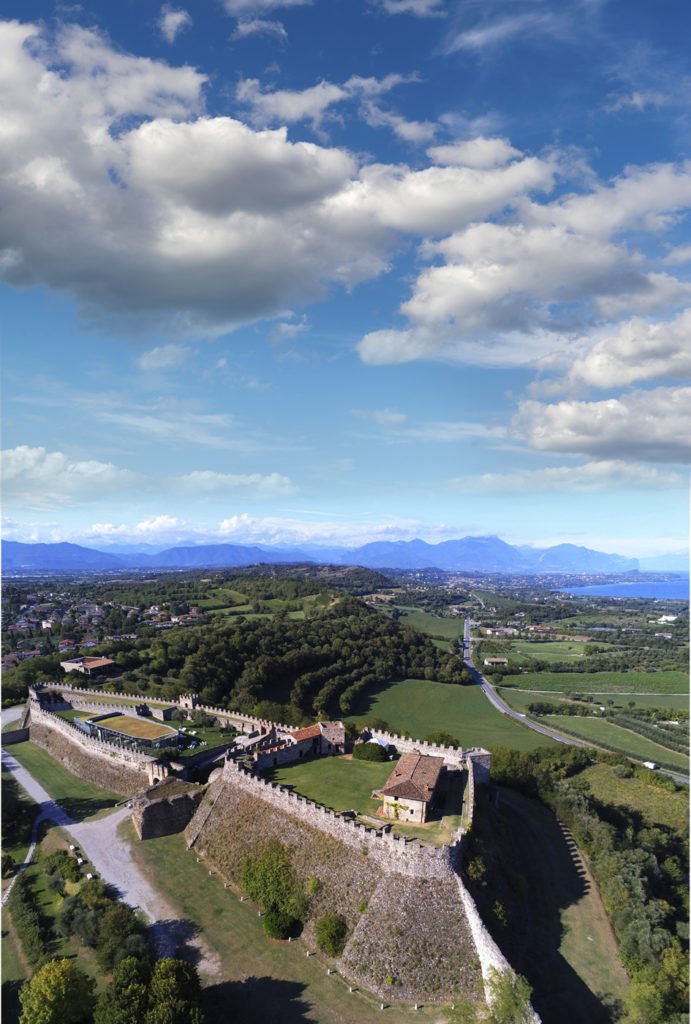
column 391, row 852
column 91, row 744
column 153, row 817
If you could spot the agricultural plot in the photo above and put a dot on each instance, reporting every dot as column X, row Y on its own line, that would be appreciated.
column 519, row 700
column 420, row 707
column 606, row 734
column 658, row 806
column 602, row 683
column 433, row 625
column 548, row 650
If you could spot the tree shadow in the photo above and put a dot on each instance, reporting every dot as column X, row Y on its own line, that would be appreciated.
column 256, row 1001
column 11, row 1007
column 175, row 938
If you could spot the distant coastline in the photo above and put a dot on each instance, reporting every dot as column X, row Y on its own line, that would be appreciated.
column 662, row 590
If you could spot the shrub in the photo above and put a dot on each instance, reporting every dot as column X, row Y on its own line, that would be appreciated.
column 369, row 752
column 279, row 925
column 270, row 880
column 332, row 932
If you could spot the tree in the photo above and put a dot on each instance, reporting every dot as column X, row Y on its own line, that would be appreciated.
column 442, row 738
column 369, row 752
column 509, row 997
column 116, row 927
column 59, row 993
column 125, row 1000
column 270, row 880
column 174, row 994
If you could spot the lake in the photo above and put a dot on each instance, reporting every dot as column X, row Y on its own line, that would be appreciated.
column 666, row 590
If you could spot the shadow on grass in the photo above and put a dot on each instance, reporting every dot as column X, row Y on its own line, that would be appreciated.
column 11, row 1007
column 174, row 939
column 80, row 808
column 534, row 871
column 256, row 1001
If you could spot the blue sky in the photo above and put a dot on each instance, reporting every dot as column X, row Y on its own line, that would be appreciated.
column 341, row 271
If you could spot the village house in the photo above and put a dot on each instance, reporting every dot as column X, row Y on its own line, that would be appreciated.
column 88, row 666
column 409, row 792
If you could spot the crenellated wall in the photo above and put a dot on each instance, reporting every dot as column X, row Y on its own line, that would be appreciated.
column 389, row 851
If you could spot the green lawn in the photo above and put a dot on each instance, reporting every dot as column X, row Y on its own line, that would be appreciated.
column 606, row 734
column 420, row 707
column 658, row 806
column 339, row 783
column 556, row 931
column 78, row 798
column 258, row 979
column 602, row 682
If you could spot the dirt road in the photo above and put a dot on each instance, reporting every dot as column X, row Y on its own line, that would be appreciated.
column 104, row 848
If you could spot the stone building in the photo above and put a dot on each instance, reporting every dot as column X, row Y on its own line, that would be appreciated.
column 410, row 790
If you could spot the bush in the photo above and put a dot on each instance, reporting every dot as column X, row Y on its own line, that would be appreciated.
column 279, row 925
column 369, row 752
column 332, row 932
column 270, row 880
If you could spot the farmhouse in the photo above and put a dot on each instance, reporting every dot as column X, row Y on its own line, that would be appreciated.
column 496, row 662
column 411, row 787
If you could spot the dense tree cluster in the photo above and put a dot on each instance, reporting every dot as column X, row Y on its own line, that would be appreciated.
column 320, row 664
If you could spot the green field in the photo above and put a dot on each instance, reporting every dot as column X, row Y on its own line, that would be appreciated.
column 258, row 979
column 420, row 707
column 520, row 699
column 658, row 806
column 602, row 683
column 78, row 798
column 433, row 625
column 606, row 734
column 547, row 650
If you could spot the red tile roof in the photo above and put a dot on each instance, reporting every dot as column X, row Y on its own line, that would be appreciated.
column 414, row 777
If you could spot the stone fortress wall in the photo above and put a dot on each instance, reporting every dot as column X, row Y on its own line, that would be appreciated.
column 392, row 853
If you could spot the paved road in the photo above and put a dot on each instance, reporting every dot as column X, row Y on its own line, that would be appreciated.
column 500, row 705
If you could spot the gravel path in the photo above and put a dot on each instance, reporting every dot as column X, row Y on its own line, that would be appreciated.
column 109, row 854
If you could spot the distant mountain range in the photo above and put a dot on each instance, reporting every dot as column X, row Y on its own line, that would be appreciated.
column 480, row 554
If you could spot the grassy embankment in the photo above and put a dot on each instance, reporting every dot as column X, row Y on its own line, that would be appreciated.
column 77, row 797
column 657, row 806
column 262, row 979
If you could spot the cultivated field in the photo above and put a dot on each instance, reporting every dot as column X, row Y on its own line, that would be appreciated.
column 605, row 734
column 658, row 806
column 602, row 683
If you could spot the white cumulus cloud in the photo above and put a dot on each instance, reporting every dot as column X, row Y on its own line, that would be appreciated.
column 48, row 479
column 171, row 22
column 652, row 426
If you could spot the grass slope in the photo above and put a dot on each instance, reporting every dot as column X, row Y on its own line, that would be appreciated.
column 657, row 806
column 262, row 980
column 78, row 798
column 420, row 707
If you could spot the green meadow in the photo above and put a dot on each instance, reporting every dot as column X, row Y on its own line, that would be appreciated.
column 419, row 707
